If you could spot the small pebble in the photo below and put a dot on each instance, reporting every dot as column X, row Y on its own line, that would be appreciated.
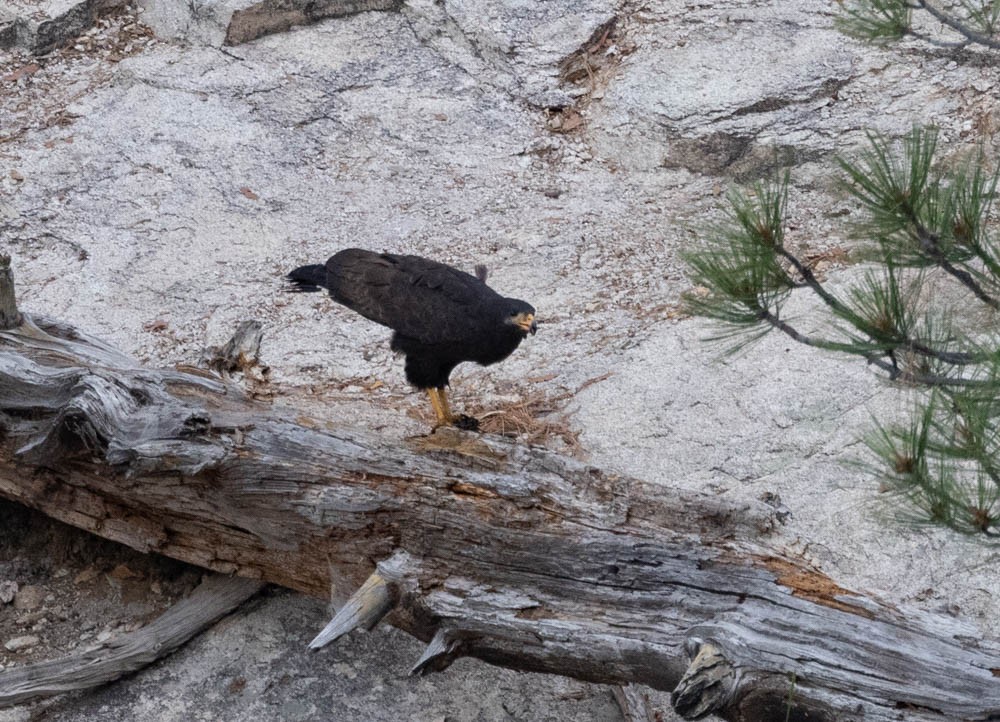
column 18, row 644
column 88, row 574
column 29, row 597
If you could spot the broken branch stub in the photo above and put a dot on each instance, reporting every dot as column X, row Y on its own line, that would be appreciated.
column 9, row 315
column 708, row 684
column 240, row 353
column 365, row 608
column 634, row 703
column 511, row 554
column 274, row 16
column 438, row 655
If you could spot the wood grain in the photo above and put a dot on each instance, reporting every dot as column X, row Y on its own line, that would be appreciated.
column 514, row 555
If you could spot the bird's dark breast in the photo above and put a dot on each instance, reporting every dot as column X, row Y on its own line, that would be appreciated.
column 429, row 366
column 498, row 347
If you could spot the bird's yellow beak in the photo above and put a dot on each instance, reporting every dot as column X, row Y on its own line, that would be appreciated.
column 526, row 322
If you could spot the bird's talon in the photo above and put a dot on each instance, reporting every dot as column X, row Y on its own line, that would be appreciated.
column 465, row 422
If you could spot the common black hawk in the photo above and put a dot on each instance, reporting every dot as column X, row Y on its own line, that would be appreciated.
column 440, row 316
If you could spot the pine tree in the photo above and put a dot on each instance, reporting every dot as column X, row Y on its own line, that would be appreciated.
column 923, row 229
column 955, row 25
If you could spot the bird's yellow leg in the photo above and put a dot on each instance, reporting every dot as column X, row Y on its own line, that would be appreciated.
column 446, row 418
column 443, row 418
column 443, row 396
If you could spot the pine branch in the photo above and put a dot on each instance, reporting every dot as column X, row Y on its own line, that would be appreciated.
column 919, row 221
column 930, row 244
column 937, row 42
column 958, row 26
column 812, row 282
column 845, row 312
column 875, row 20
column 945, row 463
column 885, row 20
column 745, row 281
column 879, row 360
column 972, row 197
column 919, row 217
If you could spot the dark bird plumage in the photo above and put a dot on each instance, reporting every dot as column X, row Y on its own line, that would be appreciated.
column 440, row 316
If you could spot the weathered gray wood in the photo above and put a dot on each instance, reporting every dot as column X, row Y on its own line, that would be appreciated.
column 633, row 703
column 518, row 556
column 709, row 681
column 240, row 353
column 215, row 597
column 363, row 610
column 275, row 16
column 439, row 653
column 9, row 315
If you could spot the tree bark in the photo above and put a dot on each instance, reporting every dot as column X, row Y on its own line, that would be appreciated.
column 9, row 315
column 486, row 548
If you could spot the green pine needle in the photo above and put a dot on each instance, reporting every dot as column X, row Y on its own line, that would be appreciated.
column 900, row 198
column 984, row 15
column 738, row 274
column 921, row 221
column 874, row 20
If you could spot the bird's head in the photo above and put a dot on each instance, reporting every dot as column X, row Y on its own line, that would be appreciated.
column 521, row 315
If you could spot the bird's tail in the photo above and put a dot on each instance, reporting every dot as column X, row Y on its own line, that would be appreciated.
column 306, row 279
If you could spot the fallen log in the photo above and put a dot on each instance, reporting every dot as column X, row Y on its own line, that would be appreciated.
column 483, row 548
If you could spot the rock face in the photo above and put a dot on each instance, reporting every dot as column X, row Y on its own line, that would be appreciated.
column 154, row 191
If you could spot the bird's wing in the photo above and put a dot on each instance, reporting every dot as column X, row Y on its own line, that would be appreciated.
column 416, row 297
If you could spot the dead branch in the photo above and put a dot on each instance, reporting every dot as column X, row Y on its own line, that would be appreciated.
column 215, row 597
column 9, row 316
